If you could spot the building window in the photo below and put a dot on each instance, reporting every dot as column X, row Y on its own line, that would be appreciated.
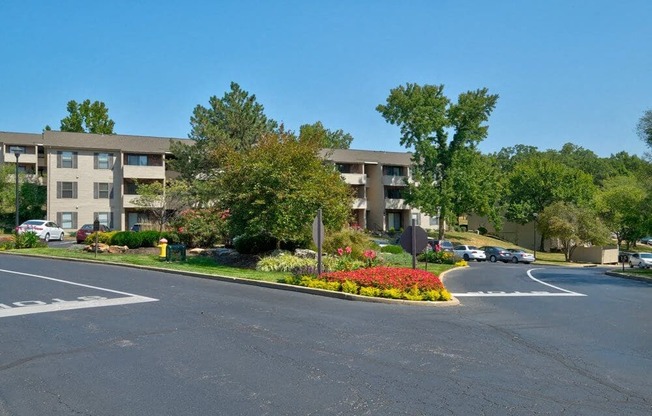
column 393, row 170
column 66, row 189
column 130, row 187
column 105, row 218
column 67, row 220
column 67, row 160
column 103, row 160
column 17, row 149
column 137, row 160
column 393, row 193
column 102, row 190
column 394, row 221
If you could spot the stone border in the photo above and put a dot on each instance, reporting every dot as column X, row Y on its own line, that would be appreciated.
column 261, row 283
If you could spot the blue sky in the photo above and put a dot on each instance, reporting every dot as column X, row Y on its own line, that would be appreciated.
column 566, row 71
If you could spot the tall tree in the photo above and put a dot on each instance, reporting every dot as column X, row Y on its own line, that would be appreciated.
column 276, row 187
column 644, row 127
column 425, row 116
column 87, row 117
column 573, row 226
column 621, row 205
column 236, row 119
column 328, row 139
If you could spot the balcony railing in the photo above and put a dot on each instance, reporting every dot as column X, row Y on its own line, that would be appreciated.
column 391, row 203
column 143, row 172
column 359, row 203
column 355, row 178
column 393, row 180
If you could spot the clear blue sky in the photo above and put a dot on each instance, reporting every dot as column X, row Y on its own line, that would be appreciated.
column 566, row 71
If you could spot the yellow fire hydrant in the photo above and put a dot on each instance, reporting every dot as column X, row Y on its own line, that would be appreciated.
column 163, row 245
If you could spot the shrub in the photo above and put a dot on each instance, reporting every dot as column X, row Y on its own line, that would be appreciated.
column 127, row 238
column 202, row 227
column 350, row 287
column 254, row 244
column 149, row 238
column 439, row 257
column 392, row 249
column 370, row 291
column 284, row 262
column 357, row 240
column 482, row 230
column 27, row 240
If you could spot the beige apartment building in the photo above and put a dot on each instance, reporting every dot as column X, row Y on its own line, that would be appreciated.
column 91, row 176
column 378, row 179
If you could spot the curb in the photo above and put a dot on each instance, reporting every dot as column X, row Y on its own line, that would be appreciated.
column 260, row 283
column 629, row 276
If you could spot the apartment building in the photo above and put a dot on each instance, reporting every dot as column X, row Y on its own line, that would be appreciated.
column 89, row 176
column 377, row 180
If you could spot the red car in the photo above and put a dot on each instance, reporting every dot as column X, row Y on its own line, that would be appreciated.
column 87, row 229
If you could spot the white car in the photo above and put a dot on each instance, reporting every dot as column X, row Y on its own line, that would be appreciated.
column 642, row 260
column 520, row 256
column 45, row 230
column 469, row 253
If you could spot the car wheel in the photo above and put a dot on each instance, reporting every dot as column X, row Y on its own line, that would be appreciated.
column 466, row 257
column 47, row 237
column 631, row 266
column 514, row 260
column 492, row 258
column 61, row 237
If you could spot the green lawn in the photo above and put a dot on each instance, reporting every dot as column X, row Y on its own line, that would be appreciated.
column 200, row 264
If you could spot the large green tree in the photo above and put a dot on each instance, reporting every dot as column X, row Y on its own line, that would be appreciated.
column 276, row 187
column 87, row 117
column 328, row 139
column 162, row 202
column 621, row 203
column 425, row 117
column 573, row 226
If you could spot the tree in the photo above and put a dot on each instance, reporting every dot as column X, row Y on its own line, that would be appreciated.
column 644, row 127
column 328, row 139
column 621, row 205
column 87, row 117
column 162, row 202
column 276, row 187
column 236, row 120
column 573, row 226
column 424, row 115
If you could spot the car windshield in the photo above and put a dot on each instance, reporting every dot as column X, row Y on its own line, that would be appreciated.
column 87, row 227
column 33, row 222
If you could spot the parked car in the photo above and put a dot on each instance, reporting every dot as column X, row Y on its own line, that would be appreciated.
column 469, row 253
column 642, row 260
column 87, row 229
column 520, row 256
column 45, row 230
column 646, row 240
column 495, row 254
column 136, row 227
column 444, row 245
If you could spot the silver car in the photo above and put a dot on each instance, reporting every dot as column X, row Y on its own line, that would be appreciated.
column 469, row 253
column 642, row 260
column 520, row 256
column 45, row 230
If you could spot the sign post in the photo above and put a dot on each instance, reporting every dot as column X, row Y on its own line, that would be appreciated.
column 318, row 239
column 96, row 229
column 413, row 240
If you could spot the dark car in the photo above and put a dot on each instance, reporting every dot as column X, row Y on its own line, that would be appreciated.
column 87, row 229
column 495, row 253
column 444, row 245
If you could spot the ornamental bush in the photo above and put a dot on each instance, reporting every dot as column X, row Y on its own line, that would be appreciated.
column 127, row 238
column 357, row 240
column 392, row 249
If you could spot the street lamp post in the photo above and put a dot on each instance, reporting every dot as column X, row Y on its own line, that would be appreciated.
column 17, row 154
column 534, row 228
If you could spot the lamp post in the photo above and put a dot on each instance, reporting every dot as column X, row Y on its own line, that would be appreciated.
column 17, row 154
column 534, row 228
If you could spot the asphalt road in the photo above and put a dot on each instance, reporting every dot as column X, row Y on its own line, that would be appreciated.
column 104, row 340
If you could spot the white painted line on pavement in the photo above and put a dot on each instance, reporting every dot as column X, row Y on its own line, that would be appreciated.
column 513, row 294
column 36, row 306
column 69, row 305
column 67, row 282
column 529, row 273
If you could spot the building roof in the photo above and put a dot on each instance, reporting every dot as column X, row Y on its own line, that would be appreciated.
column 116, row 142
column 367, row 156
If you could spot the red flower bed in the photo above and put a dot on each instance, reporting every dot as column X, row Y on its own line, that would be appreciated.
column 387, row 277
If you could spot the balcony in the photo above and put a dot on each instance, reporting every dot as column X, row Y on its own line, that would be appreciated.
column 393, row 180
column 143, row 172
column 355, row 178
column 23, row 158
column 127, row 201
column 359, row 203
column 391, row 203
